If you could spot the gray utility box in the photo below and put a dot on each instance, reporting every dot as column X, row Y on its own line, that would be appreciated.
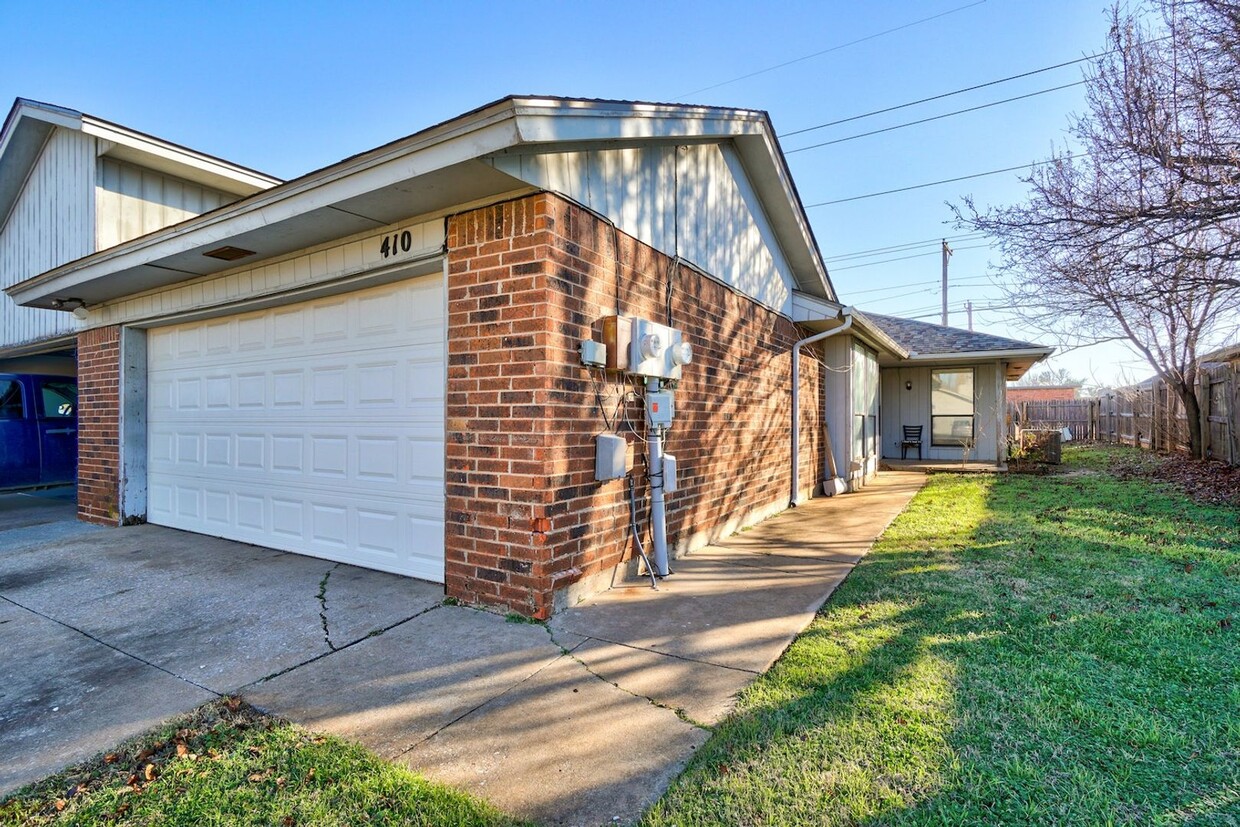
column 611, row 457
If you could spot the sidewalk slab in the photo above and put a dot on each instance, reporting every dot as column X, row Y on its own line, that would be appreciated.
column 395, row 690
column 562, row 748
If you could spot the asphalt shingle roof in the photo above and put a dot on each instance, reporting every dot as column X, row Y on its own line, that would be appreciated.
column 925, row 338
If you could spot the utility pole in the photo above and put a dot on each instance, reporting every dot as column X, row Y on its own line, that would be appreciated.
column 968, row 306
column 947, row 253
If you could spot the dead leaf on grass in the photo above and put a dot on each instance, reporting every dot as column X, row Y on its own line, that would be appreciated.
column 1188, row 568
column 182, row 750
column 61, row 804
column 149, row 773
column 110, row 758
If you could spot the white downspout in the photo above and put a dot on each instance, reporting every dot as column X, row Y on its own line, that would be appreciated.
column 847, row 314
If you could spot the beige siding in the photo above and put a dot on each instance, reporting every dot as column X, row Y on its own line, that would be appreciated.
column 341, row 259
column 51, row 223
column 902, row 406
column 693, row 200
column 132, row 201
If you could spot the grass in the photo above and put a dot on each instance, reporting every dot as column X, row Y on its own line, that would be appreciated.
column 1015, row 650
column 226, row 764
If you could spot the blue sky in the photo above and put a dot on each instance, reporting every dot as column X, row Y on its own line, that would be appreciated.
column 290, row 87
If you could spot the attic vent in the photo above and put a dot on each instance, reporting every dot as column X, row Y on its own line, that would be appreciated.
column 228, row 253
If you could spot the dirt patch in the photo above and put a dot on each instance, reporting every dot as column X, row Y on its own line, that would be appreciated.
column 1205, row 481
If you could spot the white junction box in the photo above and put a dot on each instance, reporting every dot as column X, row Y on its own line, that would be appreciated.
column 657, row 350
column 611, row 457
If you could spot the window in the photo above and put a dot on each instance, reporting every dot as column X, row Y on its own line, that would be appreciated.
column 59, row 398
column 951, row 408
column 11, row 399
column 864, row 401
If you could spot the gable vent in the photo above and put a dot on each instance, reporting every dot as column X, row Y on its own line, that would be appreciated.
column 228, row 253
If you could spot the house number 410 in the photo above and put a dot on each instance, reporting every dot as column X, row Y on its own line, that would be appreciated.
column 396, row 243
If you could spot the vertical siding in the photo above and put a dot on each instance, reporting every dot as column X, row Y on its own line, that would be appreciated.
column 692, row 200
column 132, row 201
column 901, row 407
column 51, row 223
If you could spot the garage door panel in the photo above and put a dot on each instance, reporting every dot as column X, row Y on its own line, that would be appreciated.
column 315, row 428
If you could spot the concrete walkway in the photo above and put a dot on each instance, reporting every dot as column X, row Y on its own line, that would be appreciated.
column 587, row 720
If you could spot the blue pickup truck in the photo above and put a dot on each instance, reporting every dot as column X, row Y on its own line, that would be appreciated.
column 38, row 430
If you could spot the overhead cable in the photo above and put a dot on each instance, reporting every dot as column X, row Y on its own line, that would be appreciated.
column 933, row 118
column 944, row 181
column 831, row 49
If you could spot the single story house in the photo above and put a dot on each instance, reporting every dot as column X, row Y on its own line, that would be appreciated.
column 394, row 361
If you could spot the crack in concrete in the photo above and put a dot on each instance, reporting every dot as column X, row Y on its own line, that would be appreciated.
column 349, row 645
column 494, row 697
column 117, row 649
column 671, row 654
column 675, row 710
column 327, row 635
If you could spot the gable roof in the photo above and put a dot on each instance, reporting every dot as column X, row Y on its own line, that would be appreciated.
column 436, row 169
column 29, row 124
column 927, row 342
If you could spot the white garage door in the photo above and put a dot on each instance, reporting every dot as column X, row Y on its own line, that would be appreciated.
column 315, row 427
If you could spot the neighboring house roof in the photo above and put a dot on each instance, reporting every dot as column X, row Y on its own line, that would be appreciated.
column 30, row 123
column 937, row 343
column 434, row 170
column 1231, row 353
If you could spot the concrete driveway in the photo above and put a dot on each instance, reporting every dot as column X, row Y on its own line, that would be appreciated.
column 107, row 632
column 581, row 721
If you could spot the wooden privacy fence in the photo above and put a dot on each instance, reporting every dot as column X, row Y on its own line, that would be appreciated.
column 1149, row 415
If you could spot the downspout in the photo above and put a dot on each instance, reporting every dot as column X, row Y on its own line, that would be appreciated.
column 847, row 314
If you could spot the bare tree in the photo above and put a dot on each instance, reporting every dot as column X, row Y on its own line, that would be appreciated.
column 1137, row 237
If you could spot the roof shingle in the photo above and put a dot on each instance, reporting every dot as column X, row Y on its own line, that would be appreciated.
column 929, row 339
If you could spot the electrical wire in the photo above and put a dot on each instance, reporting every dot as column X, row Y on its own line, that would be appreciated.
column 933, row 118
column 903, row 258
column 831, row 49
column 896, row 248
column 944, row 181
column 974, row 88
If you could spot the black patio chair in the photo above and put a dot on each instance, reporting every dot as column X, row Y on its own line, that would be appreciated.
column 912, row 439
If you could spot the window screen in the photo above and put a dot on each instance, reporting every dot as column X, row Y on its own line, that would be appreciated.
column 951, row 407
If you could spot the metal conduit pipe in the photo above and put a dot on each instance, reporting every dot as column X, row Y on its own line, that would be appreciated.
column 847, row 314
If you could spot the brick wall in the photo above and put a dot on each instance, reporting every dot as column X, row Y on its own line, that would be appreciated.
column 527, row 281
column 98, row 422
column 1035, row 394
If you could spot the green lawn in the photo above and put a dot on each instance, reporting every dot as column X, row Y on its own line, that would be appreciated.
column 1015, row 650
column 227, row 765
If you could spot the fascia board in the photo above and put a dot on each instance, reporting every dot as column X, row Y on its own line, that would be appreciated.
column 179, row 161
column 981, row 355
column 349, row 179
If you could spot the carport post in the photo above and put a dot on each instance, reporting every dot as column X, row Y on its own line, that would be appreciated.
column 132, row 448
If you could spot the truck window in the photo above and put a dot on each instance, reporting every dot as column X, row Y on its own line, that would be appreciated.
column 11, row 399
column 59, row 398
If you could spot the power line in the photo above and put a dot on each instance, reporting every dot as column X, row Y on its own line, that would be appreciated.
column 944, row 181
column 896, row 248
column 831, row 49
column 904, row 258
column 934, row 118
column 940, row 97
column 957, row 283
